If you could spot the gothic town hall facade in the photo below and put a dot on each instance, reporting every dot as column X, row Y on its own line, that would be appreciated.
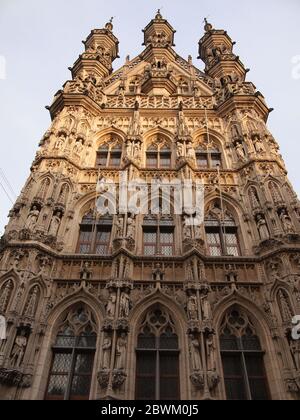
column 150, row 306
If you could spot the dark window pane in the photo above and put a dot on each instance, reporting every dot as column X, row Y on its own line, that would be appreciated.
column 87, row 341
column 145, row 379
column 65, row 341
column 257, row 376
column 165, row 160
column 84, row 363
column 146, row 341
column 80, row 387
column 62, row 363
column 57, row 386
column 251, row 342
column 216, row 160
column 152, row 160
column 115, row 159
column 102, row 158
column 102, row 240
column 202, row 161
column 229, row 342
column 169, row 342
column 85, row 239
column 233, row 377
column 169, row 376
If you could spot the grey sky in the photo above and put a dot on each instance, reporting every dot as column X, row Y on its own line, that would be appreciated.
column 41, row 39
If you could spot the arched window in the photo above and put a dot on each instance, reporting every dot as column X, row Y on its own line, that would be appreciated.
column 208, row 154
column 73, row 357
column 158, row 236
column 242, row 358
column 221, row 233
column 158, row 156
column 94, row 235
column 110, row 155
column 157, row 358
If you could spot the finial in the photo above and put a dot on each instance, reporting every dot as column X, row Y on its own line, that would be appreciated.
column 208, row 26
column 109, row 24
column 158, row 15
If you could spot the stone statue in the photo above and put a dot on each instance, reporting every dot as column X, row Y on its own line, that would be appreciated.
column 192, row 308
column 258, row 145
column 85, row 273
column 240, row 151
column 120, row 227
column 111, row 306
column 206, row 307
column 5, row 295
column 182, row 127
column 136, row 151
column 130, row 228
column 2, row 328
column 32, row 303
column 158, row 273
column 55, row 224
column 286, row 222
column 18, row 350
column 187, row 231
column 124, row 305
column 60, row 142
column 129, row 149
column 262, row 228
column 106, row 348
column 136, row 128
column 210, row 353
column 180, row 149
column 195, row 353
column 191, row 154
column 32, row 219
column 78, row 147
column 121, row 352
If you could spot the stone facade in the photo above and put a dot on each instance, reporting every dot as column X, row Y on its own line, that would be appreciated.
column 107, row 289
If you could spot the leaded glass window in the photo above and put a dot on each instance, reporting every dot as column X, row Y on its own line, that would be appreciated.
column 158, row 238
column 73, row 357
column 157, row 363
column 94, row 235
column 158, row 156
column 242, row 358
column 109, row 155
column 221, row 234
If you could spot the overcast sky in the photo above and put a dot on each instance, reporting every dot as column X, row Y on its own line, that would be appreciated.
column 40, row 39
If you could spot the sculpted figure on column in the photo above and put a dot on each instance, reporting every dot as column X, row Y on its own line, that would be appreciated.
column 195, row 353
column 32, row 219
column 18, row 350
column 262, row 228
column 192, row 308
column 106, row 347
column 111, row 306
column 121, row 352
